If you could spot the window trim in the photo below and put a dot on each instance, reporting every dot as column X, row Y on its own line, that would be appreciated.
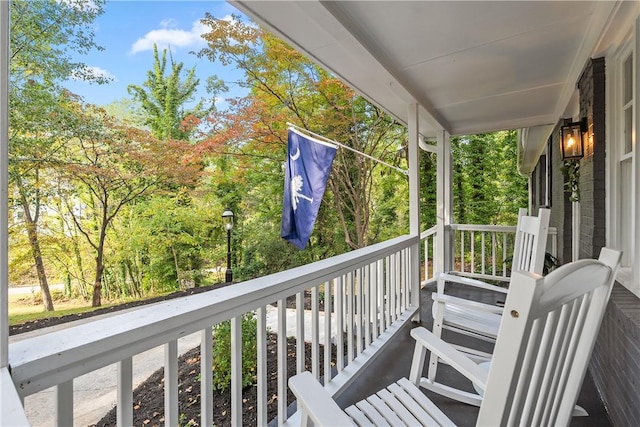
column 630, row 275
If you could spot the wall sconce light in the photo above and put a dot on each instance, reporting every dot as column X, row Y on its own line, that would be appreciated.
column 573, row 135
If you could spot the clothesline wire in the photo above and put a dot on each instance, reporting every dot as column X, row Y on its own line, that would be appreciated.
column 375, row 159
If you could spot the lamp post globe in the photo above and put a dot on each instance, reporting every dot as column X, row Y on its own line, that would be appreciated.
column 227, row 222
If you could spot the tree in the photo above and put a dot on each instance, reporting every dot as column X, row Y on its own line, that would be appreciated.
column 163, row 98
column 110, row 166
column 428, row 188
column 285, row 86
column 43, row 33
column 488, row 190
column 167, row 240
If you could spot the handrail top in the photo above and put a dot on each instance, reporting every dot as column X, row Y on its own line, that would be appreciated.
column 492, row 228
column 429, row 232
column 484, row 227
column 477, row 227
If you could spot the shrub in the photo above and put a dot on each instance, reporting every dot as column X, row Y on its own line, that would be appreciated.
column 222, row 353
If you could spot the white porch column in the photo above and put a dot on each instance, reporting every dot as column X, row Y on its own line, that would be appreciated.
column 4, row 177
column 634, row 258
column 444, row 201
column 414, row 203
column 530, row 194
column 575, row 231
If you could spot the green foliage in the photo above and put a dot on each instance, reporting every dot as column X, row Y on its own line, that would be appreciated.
column 166, row 243
column 222, row 353
column 487, row 188
column 571, row 171
column 44, row 33
column 428, row 189
column 550, row 263
column 163, row 98
column 390, row 211
column 183, row 422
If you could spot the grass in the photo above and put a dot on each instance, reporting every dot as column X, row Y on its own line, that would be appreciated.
column 27, row 307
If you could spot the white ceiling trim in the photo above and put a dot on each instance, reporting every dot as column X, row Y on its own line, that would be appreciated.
column 603, row 15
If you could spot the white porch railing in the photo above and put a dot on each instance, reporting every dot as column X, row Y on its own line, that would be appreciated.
column 479, row 251
column 367, row 298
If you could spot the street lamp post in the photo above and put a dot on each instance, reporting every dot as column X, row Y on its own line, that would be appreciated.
column 227, row 221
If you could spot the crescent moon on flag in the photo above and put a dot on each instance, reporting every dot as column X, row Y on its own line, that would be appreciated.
column 295, row 156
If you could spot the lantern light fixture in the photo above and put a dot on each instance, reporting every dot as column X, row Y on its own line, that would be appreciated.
column 227, row 221
column 573, row 136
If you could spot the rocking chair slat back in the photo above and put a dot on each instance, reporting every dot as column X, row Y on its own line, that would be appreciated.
column 546, row 337
column 530, row 242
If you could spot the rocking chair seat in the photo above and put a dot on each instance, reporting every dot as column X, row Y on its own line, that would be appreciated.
column 469, row 317
column 399, row 404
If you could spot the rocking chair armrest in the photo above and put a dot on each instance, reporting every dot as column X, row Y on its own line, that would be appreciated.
column 315, row 402
column 465, row 303
column 456, row 359
column 448, row 277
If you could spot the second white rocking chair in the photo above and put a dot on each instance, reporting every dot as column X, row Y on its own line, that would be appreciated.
column 479, row 320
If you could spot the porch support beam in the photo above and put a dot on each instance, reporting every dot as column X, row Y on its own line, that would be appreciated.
column 444, row 201
column 4, row 177
column 414, row 202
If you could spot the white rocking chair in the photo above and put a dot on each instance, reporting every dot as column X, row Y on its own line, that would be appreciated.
column 541, row 355
column 479, row 320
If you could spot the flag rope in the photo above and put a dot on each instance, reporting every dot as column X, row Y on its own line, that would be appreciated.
column 375, row 159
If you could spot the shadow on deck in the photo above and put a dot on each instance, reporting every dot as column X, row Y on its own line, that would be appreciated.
column 395, row 362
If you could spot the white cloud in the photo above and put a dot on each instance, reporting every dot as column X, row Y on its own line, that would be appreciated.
column 220, row 102
column 101, row 72
column 168, row 35
column 92, row 71
column 228, row 18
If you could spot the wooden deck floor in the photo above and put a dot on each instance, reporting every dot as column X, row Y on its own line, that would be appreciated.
column 395, row 363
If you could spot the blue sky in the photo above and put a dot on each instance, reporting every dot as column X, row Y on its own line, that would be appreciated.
column 128, row 29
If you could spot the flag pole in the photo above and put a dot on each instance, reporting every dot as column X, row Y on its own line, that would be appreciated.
column 303, row 130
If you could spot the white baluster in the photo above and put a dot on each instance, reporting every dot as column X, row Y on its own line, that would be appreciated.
column 236, row 371
column 124, row 407
column 206, row 377
column 171, row 383
column 261, row 313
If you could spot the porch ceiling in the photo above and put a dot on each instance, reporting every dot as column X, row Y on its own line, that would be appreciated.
column 472, row 66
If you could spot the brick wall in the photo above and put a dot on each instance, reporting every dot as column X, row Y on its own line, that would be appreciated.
column 592, row 166
column 560, row 217
column 615, row 364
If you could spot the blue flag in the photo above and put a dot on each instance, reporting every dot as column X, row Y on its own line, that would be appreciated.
column 308, row 166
